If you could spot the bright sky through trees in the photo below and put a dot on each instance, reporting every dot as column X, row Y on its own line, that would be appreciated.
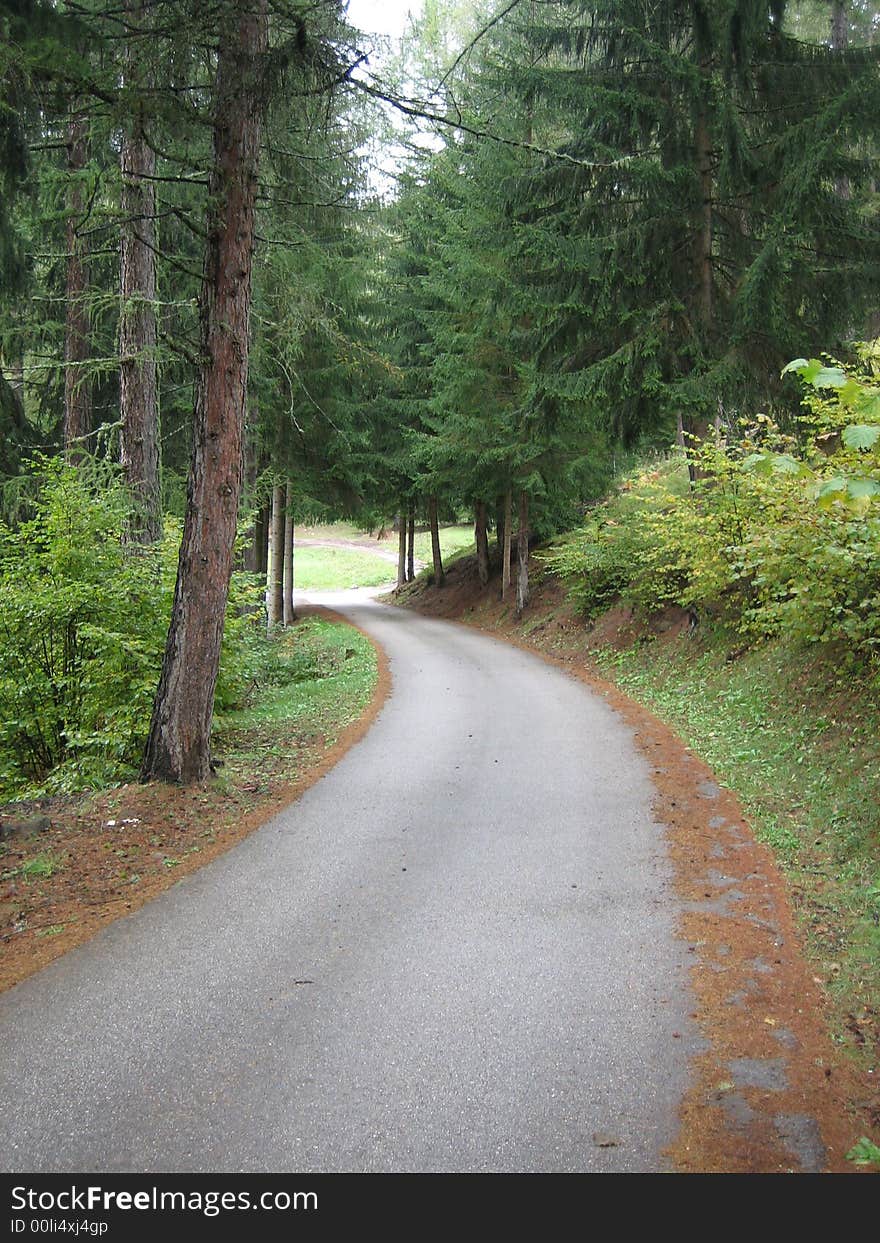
column 387, row 17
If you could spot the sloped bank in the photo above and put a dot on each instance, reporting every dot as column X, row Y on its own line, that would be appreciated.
column 774, row 1089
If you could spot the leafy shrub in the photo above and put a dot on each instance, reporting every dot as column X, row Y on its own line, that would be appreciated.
column 777, row 536
column 83, row 622
column 82, row 629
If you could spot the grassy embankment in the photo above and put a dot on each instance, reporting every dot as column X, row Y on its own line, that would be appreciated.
column 796, row 739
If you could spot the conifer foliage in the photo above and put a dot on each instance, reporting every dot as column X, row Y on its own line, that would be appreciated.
column 682, row 232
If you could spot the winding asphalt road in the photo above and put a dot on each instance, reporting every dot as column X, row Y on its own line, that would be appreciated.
column 455, row 952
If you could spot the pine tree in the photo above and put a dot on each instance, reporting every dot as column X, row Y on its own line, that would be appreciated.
column 688, row 237
column 178, row 746
column 138, row 324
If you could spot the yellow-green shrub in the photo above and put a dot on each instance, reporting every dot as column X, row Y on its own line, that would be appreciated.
column 776, row 535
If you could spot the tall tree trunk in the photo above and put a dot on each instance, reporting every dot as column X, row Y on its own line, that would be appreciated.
column 16, row 369
column 178, row 746
column 522, row 554
column 705, row 230
column 250, row 559
column 275, row 584
column 262, row 535
column 481, row 539
column 840, row 42
column 138, row 389
column 401, row 549
column 839, row 30
column 288, row 611
column 77, row 388
column 255, row 550
column 704, row 239
column 439, row 576
column 505, row 552
column 411, row 545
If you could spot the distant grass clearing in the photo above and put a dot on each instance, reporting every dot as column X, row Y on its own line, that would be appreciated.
column 334, row 569
column 452, row 540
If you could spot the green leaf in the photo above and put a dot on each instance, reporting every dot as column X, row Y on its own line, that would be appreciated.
column 759, row 462
column 832, row 490
column 828, row 377
column 857, row 488
column 851, row 393
column 860, row 436
column 784, row 464
column 868, row 404
column 816, row 373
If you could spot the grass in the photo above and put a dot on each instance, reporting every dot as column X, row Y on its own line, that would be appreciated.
column 40, row 867
column 332, row 531
column 334, row 569
column 795, row 737
column 452, row 540
column 322, row 677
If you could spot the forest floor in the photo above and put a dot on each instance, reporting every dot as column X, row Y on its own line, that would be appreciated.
column 71, row 864
column 784, row 1051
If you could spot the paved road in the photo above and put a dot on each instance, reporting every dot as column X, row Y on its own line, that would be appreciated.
column 455, row 952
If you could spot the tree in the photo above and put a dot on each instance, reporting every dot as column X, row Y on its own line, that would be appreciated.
column 138, row 329
column 690, row 237
column 77, row 385
column 178, row 746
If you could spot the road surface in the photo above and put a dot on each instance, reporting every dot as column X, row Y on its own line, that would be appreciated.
column 454, row 952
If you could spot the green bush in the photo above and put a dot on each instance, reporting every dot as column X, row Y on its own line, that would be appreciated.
column 776, row 537
column 83, row 621
column 82, row 629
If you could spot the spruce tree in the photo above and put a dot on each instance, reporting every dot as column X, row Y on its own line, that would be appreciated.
column 687, row 237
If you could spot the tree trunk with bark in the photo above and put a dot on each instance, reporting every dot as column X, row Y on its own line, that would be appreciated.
column 505, row 549
column 77, row 388
column 839, row 28
column 288, row 611
column 275, row 583
column 411, row 545
column 481, row 539
column 704, row 241
column 138, row 388
column 250, row 559
column 401, row 549
column 261, row 539
column 439, row 576
column 522, row 554
column 840, row 42
column 178, row 746
column 705, row 230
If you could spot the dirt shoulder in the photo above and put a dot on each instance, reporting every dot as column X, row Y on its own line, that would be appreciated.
column 79, row 862
column 770, row 1092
